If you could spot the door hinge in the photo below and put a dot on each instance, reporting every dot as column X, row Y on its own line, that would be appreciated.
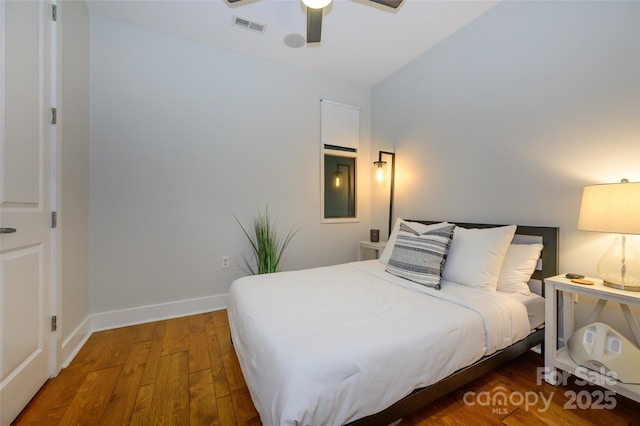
column 54, row 323
column 54, row 219
column 54, row 115
column 54, row 12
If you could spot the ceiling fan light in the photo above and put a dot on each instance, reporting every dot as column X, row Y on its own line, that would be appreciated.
column 316, row 4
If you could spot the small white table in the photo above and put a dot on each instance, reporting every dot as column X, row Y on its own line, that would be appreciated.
column 555, row 358
column 377, row 247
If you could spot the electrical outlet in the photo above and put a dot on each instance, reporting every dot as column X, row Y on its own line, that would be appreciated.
column 225, row 262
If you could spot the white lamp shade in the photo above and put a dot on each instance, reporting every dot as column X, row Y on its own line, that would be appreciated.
column 613, row 208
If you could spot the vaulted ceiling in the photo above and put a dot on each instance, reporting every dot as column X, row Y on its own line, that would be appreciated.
column 362, row 41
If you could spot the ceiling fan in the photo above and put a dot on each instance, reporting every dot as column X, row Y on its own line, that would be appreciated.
column 314, row 15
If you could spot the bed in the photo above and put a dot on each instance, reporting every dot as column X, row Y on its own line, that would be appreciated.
column 369, row 342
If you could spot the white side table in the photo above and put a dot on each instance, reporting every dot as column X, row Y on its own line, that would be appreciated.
column 369, row 245
column 555, row 358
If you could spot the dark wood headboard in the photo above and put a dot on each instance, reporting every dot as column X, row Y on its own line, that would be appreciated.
column 548, row 234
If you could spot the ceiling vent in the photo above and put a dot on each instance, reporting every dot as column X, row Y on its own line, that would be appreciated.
column 248, row 24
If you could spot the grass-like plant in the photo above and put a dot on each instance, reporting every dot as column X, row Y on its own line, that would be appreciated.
column 266, row 244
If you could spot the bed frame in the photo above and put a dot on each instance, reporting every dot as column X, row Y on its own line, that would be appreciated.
column 422, row 397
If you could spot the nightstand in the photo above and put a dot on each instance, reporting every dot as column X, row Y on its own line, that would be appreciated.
column 377, row 247
column 555, row 358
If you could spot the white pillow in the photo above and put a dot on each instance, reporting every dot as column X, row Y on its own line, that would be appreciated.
column 476, row 256
column 420, row 228
column 519, row 264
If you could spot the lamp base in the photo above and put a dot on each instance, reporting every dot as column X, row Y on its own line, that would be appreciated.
column 620, row 266
column 627, row 287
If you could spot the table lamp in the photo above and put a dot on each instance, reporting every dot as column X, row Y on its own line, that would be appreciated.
column 615, row 208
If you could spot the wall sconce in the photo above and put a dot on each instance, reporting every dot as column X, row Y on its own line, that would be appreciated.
column 380, row 177
column 380, row 170
column 615, row 208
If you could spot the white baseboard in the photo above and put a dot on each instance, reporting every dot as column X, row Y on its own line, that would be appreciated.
column 76, row 340
column 149, row 313
column 138, row 315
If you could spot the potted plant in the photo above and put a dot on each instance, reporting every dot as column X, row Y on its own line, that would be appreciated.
column 266, row 244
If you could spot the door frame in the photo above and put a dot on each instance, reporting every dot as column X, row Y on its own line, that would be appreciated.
column 55, row 162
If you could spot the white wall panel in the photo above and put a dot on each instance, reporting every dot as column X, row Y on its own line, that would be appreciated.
column 508, row 119
column 510, row 129
column 73, row 167
column 184, row 135
column 340, row 124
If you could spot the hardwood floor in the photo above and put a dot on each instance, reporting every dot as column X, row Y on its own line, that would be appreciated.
column 184, row 371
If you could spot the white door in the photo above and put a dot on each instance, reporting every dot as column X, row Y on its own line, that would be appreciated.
column 25, row 255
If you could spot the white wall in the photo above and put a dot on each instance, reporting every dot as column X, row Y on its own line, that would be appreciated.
column 182, row 136
column 508, row 119
column 504, row 122
column 73, row 174
column 511, row 117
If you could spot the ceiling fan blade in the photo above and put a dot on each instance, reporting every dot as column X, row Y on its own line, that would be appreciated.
column 314, row 25
column 232, row 1
column 389, row 3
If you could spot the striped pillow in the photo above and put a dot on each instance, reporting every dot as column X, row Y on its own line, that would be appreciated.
column 420, row 257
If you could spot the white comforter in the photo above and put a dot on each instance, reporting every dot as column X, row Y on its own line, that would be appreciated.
column 327, row 346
